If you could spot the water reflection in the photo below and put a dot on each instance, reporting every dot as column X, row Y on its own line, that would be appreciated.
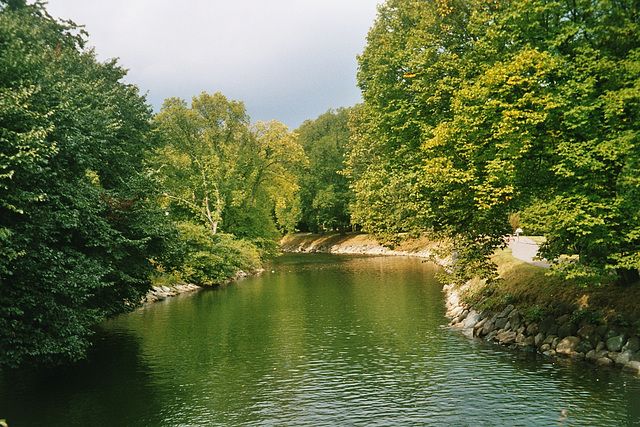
column 114, row 382
column 321, row 340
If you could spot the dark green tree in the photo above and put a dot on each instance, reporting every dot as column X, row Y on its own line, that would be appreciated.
column 78, row 227
column 324, row 191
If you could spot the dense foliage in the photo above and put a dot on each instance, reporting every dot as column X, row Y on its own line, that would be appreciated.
column 78, row 230
column 325, row 195
column 98, row 196
column 479, row 116
column 475, row 110
column 216, row 169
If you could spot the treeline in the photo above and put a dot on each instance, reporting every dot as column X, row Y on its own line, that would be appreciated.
column 480, row 111
column 477, row 117
column 99, row 196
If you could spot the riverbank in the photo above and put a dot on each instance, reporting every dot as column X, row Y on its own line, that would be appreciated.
column 525, row 309
column 357, row 243
column 162, row 292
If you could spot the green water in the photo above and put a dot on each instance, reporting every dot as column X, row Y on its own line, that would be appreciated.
column 316, row 340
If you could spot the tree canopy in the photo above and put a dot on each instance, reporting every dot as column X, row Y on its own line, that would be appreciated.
column 325, row 194
column 78, row 230
column 214, row 166
column 475, row 110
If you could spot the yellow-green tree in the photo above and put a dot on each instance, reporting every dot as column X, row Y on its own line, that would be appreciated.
column 217, row 168
column 478, row 109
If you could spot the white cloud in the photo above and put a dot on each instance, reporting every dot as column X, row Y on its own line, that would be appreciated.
column 288, row 59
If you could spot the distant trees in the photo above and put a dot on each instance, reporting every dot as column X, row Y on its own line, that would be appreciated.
column 325, row 194
column 475, row 110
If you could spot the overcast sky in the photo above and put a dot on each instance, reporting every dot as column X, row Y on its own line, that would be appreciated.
column 288, row 60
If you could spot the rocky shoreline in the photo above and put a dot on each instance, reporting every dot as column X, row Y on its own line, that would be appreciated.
column 557, row 332
column 352, row 244
column 161, row 293
column 560, row 332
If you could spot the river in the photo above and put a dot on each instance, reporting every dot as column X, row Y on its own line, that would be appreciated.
column 316, row 340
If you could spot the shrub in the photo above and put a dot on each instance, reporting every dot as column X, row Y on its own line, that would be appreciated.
column 212, row 259
column 537, row 313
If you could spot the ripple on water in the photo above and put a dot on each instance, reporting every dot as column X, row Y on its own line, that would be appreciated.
column 335, row 341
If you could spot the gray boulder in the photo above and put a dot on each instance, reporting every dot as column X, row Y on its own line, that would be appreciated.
column 622, row 358
column 508, row 309
column 633, row 366
column 568, row 345
column 561, row 320
column 472, row 319
column 604, row 361
column 633, row 344
column 616, row 343
column 507, row 337
column 546, row 324
column 587, row 333
column 501, row 322
column 567, row 329
column 612, row 332
column 584, row 347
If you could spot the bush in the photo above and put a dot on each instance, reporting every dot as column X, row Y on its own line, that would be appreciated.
column 212, row 259
column 537, row 313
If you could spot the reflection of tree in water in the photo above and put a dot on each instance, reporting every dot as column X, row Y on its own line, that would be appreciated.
column 112, row 387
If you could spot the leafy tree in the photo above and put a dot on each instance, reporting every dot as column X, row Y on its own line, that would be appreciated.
column 77, row 224
column 475, row 110
column 410, row 171
column 325, row 194
column 271, row 167
column 590, row 210
column 215, row 168
column 197, row 162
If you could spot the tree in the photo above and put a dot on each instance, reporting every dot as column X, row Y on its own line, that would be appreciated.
column 590, row 210
column 274, row 162
column 410, row 172
column 325, row 193
column 213, row 166
column 76, row 219
column 199, row 152
column 475, row 110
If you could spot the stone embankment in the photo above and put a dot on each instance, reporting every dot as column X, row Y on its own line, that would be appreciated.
column 161, row 293
column 560, row 333
column 353, row 244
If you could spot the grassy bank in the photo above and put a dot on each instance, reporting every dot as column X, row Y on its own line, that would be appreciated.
column 533, row 290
